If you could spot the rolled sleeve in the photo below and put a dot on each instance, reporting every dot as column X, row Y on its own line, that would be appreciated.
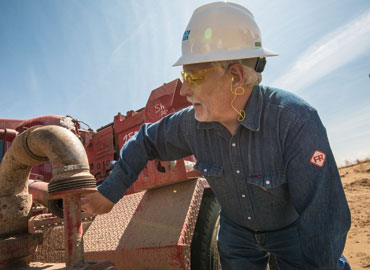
column 316, row 192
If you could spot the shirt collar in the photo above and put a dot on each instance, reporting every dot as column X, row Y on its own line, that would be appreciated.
column 207, row 125
column 253, row 110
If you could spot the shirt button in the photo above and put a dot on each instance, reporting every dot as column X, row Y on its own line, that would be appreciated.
column 233, row 144
column 205, row 170
column 237, row 171
column 243, row 195
column 267, row 182
column 249, row 218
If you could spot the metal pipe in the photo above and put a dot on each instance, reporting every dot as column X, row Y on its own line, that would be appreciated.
column 8, row 134
column 39, row 192
column 73, row 231
column 35, row 146
column 32, row 147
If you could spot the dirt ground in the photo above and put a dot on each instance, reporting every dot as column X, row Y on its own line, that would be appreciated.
column 356, row 182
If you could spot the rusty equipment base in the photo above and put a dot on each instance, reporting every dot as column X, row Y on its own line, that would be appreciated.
column 150, row 232
column 143, row 230
column 21, row 245
column 73, row 242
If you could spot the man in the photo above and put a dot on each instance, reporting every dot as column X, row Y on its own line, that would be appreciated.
column 264, row 151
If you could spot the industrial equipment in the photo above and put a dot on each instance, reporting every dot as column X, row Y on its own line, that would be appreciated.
column 168, row 219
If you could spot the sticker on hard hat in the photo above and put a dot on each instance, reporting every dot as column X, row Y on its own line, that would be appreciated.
column 318, row 158
column 258, row 44
column 186, row 35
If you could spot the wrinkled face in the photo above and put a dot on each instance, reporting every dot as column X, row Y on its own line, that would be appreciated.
column 211, row 99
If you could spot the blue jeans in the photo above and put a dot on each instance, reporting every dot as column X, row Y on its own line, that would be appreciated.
column 240, row 248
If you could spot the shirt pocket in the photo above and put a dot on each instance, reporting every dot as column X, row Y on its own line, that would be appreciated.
column 209, row 170
column 275, row 184
column 215, row 176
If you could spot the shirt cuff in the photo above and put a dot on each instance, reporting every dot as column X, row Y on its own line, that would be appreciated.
column 114, row 187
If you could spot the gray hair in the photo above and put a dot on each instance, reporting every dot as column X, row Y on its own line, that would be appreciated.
column 252, row 77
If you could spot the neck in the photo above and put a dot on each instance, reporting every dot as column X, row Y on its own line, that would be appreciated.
column 239, row 104
column 231, row 127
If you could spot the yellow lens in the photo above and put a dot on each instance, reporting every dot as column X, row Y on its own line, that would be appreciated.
column 196, row 77
column 190, row 78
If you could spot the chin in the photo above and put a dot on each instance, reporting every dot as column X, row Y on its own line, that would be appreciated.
column 202, row 115
column 199, row 117
column 202, row 118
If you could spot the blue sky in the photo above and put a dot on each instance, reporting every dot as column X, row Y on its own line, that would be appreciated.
column 93, row 59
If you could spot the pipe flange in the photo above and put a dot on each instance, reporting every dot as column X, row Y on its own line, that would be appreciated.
column 71, row 184
column 27, row 149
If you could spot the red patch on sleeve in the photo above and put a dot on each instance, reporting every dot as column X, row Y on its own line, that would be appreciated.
column 318, row 158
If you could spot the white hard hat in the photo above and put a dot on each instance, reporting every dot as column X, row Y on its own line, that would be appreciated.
column 221, row 31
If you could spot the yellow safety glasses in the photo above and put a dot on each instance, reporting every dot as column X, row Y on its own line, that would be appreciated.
column 196, row 77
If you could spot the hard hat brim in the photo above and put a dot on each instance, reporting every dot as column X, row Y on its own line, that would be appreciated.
column 223, row 55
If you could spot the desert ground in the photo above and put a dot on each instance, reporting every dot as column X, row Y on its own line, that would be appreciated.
column 356, row 183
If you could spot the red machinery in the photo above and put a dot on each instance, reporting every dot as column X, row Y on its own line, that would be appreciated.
column 168, row 218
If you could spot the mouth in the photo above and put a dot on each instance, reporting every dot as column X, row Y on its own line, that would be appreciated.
column 194, row 103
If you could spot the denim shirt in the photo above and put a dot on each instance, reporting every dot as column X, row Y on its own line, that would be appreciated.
column 276, row 169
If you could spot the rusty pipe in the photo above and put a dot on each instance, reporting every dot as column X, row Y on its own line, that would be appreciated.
column 32, row 147
column 40, row 194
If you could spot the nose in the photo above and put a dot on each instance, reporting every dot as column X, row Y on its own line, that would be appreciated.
column 186, row 90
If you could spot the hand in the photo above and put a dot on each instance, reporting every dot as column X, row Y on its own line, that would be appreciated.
column 95, row 203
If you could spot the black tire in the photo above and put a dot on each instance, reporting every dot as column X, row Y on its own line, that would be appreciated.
column 204, row 253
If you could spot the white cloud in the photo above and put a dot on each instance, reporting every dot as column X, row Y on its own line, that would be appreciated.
column 330, row 53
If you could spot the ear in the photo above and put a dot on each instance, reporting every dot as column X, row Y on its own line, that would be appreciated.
column 236, row 72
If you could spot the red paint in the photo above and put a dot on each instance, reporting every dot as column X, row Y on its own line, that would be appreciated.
column 40, row 121
column 39, row 191
column 73, row 231
column 8, row 134
column 169, row 257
